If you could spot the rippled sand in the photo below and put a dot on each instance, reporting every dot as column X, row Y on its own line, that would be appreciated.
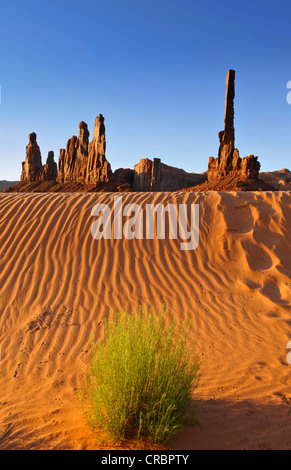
column 57, row 284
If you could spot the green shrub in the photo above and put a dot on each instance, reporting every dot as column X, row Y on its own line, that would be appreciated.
column 141, row 377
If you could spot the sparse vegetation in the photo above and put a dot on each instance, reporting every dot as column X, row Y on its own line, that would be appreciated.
column 141, row 377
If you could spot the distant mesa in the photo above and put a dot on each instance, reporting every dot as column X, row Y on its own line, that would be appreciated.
column 4, row 184
column 153, row 175
column 147, row 175
column 83, row 166
column 280, row 180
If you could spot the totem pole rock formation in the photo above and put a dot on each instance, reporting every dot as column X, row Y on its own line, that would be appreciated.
column 32, row 168
column 229, row 161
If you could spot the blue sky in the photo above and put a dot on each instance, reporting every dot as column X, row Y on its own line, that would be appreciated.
column 155, row 69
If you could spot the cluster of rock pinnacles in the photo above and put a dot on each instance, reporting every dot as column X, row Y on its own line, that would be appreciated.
column 85, row 162
column 81, row 161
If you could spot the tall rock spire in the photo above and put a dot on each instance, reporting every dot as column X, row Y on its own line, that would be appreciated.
column 226, row 137
column 229, row 161
column 50, row 169
column 98, row 168
column 82, row 146
column 32, row 166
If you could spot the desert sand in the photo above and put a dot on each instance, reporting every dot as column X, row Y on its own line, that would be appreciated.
column 57, row 284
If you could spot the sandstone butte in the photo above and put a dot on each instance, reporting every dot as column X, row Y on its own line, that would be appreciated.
column 83, row 166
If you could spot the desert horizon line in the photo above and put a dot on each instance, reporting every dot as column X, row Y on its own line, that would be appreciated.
column 84, row 162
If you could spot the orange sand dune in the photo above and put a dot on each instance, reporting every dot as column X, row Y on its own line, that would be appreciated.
column 57, row 284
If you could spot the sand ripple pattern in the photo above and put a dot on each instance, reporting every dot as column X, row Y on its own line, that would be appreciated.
column 57, row 284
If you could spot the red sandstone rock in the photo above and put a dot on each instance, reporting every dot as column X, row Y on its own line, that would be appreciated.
column 32, row 166
column 98, row 168
column 32, row 169
column 147, row 175
column 280, row 180
column 67, row 161
column 50, row 169
column 82, row 162
column 124, row 175
column 174, row 179
column 82, row 146
column 229, row 166
column 156, row 176
column 74, row 159
column 83, row 166
column 226, row 137
column 61, row 166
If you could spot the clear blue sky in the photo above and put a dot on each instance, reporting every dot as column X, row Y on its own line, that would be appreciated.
column 156, row 71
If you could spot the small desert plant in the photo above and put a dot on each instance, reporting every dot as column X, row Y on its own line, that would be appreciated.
column 141, row 377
